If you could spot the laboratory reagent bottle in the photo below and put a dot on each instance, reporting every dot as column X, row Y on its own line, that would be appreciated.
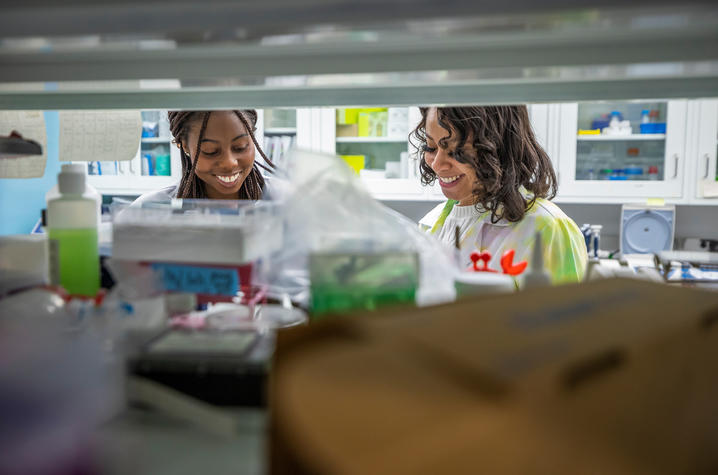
column 72, row 234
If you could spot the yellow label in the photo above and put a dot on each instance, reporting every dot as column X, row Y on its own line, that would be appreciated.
column 356, row 162
column 655, row 202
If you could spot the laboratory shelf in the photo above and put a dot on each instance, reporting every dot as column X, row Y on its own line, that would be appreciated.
column 371, row 139
column 617, row 138
column 428, row 198
column 280, row 131
column 156, row 139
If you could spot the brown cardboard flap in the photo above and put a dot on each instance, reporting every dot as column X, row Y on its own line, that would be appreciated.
column 609, row 377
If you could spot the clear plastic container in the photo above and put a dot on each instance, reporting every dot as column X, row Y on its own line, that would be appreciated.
column 72, row 232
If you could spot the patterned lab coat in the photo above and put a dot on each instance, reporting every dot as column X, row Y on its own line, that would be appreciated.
column 565, row 255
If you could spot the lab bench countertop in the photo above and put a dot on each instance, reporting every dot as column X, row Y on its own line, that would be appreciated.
column 143, row 442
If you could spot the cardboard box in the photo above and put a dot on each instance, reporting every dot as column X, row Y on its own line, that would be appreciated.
column 349, row 130
column 615, row 376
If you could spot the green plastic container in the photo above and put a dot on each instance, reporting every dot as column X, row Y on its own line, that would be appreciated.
column 343, row 282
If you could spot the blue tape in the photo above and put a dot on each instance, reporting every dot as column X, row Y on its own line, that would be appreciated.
column 199, row 280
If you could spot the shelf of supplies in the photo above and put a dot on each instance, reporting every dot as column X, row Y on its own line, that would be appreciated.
column 280, row 131
column 156, row 139
column 618, row 138
column 371, row 139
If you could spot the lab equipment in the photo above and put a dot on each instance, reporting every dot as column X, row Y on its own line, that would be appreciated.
column 147, row 166
column 23, row 262
column 645, row 116
column 150, row 129
column 72, row 225
column 15, row 146
column 592, row 237
column 653, row 128
column 348, row 281
column 536, row 276
column 90, row 192
column 212, row 248
column 600, row 123
column 633, row 172
column 162, row 165
column 586, row 231
column 197, row 231
column 653, row 173
column 647, row 229
column 595, row 239
column 695, row 266
column 617, row 126
column 480, row 283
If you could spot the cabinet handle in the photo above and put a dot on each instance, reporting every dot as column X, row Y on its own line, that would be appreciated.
column 675, row 169
column 708, row 159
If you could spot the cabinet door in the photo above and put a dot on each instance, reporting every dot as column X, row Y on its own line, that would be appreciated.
column 707, row 150
column 374, row 142
column 276, row 134
column 631, row 156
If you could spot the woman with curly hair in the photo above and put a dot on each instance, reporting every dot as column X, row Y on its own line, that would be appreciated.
column 498, row 181
column 217, row 149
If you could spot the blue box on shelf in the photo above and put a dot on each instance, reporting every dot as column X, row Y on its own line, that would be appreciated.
column 653, row 128
column 601, row 123
column 150, row 129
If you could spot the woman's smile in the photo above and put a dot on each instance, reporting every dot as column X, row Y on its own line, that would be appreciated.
column 450, row 181
column 228, row 180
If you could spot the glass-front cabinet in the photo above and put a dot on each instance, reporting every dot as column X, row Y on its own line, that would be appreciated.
column 157, row 163
column 277, row 133
column 374, row 142
column 602, row 151
column 622, row 149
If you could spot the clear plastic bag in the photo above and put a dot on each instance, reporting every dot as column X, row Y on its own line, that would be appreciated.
column 329, row 212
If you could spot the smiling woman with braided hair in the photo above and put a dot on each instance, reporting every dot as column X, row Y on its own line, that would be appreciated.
column 218, row 156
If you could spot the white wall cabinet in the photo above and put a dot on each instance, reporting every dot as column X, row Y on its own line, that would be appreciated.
column 679, row 165
column 318, row 133
column 602, row 167
column 702, row 151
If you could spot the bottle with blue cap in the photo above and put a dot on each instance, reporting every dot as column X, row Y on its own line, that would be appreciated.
column 645, row 116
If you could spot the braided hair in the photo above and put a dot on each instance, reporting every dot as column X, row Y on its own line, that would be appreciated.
column 191, row 186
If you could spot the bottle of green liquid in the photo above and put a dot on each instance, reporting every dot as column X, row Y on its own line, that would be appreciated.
column 72, row 233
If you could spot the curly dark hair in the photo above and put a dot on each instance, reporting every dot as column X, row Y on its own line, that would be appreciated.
column 190, row 185
column 507, row 156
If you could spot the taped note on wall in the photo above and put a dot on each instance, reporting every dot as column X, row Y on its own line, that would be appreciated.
column 99, row 135
column 31, row 125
